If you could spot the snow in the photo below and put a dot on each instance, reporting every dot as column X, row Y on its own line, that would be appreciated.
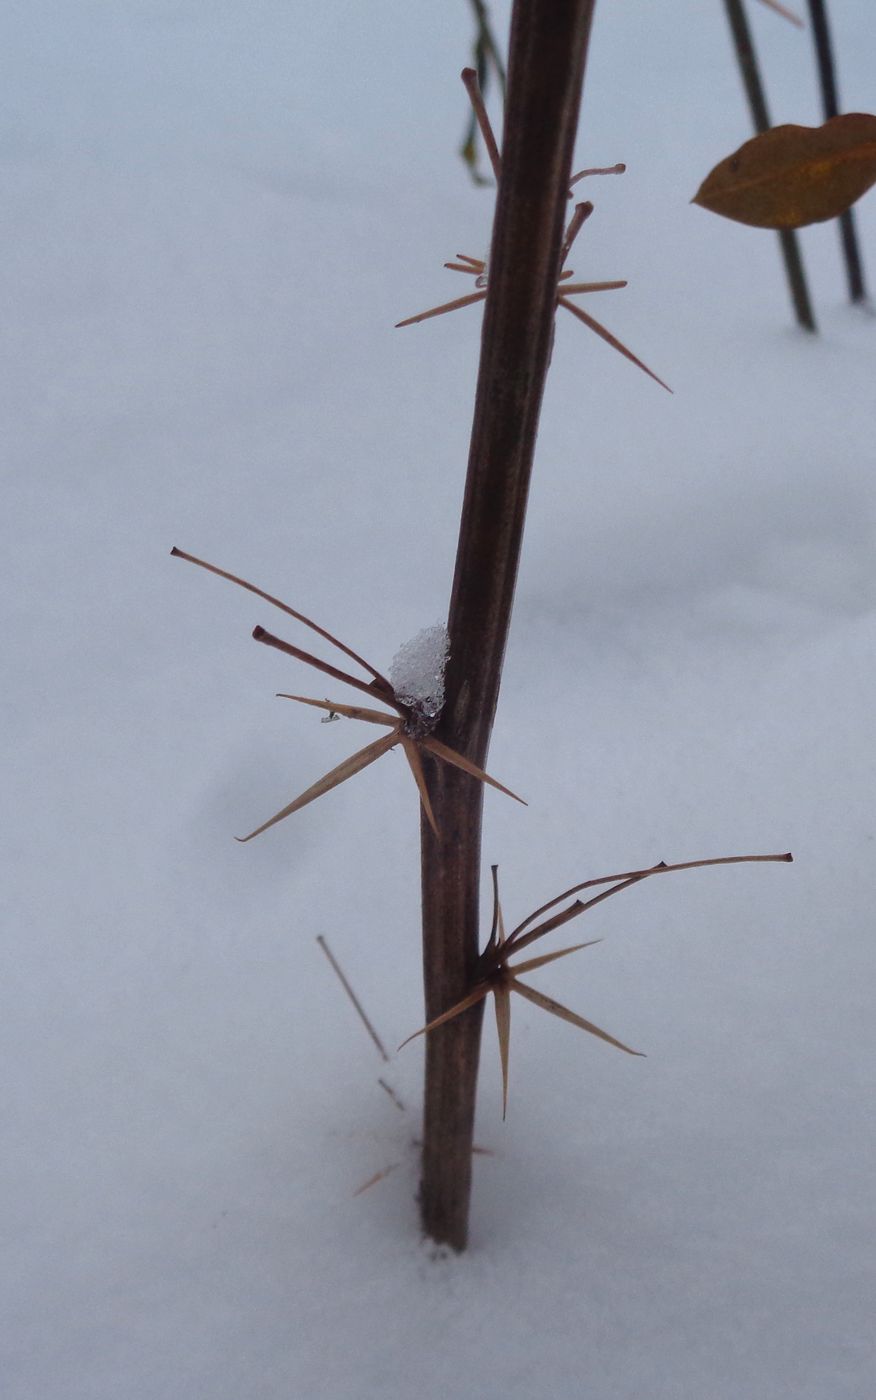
column 213, row 217
column 417, row 671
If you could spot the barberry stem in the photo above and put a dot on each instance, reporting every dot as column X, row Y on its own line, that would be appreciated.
column 547, row 52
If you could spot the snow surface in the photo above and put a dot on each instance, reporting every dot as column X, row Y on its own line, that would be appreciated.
column 213, row 216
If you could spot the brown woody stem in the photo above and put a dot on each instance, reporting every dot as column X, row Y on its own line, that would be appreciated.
column 547, row 52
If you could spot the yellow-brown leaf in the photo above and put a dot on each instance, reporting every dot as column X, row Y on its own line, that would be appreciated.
column 795, row 175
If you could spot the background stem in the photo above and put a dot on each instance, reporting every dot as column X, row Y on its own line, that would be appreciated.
column 790, row 244
column 547, row 53
column 827, row 78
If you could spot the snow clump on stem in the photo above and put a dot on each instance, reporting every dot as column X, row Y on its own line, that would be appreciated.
column 417, row 671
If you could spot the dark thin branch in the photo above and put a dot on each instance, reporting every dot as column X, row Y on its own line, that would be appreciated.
column 487, row 42
column 336, row 968
column 830, row 100
column 754, row 91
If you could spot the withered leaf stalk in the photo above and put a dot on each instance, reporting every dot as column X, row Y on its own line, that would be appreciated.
column 495, row 974
column 409, row 727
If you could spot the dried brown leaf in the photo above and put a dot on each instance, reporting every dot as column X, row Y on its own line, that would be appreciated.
column 791, row 176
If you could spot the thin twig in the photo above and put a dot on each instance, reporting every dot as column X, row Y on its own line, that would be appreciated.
column 784, row 12
column 487, row 41
column 355, row 1000
column 830, row 100
column 392, row 1094
column 373, row 1180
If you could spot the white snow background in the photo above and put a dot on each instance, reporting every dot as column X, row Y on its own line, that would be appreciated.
column 213, row 214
